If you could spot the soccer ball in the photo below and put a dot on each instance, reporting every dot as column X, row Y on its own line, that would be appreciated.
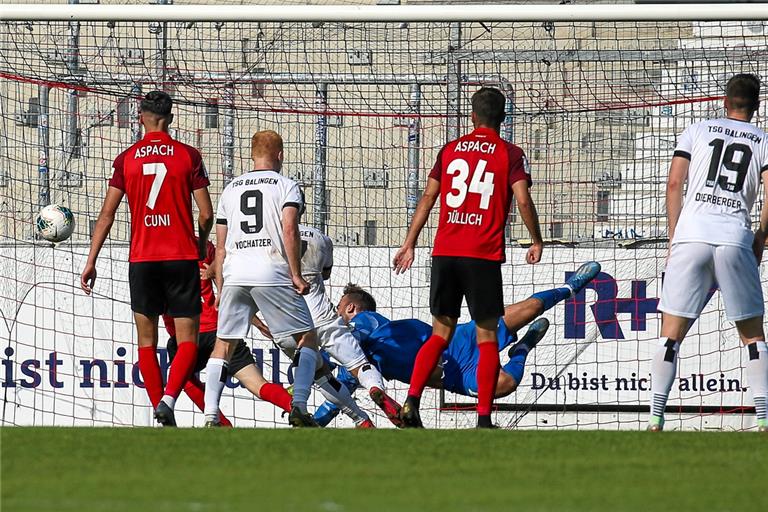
column 55, row 223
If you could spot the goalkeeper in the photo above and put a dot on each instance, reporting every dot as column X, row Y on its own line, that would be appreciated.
column 392, row 346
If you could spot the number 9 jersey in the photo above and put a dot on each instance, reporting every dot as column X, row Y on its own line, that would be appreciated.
column 251, row 207
column 727, row 157
column 158, row 175
column 476, row 173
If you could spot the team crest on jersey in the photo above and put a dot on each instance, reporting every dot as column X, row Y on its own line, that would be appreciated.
column 526, row 165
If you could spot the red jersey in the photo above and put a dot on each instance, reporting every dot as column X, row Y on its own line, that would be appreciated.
column 158, row 174
column 209, row 318
column 476, row 173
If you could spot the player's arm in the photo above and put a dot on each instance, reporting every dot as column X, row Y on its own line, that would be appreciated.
column 100, row 231
column 221, row 253
column 758, row 246
column 204, row 219
column 328, row 263
column 678, row 172
column 404, row 257
column 530, row 218
column 292, row 241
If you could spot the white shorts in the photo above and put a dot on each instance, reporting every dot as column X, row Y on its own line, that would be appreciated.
column 336, row 339
column 694, row 268
column 285, row 311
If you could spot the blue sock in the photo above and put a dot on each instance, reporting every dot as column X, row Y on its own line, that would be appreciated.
column 552, row 297
column 516, row 365
column 325, row 413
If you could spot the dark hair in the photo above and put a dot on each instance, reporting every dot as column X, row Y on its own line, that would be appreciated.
column 157, row 102
column 743, row 92
column 360, row 298
column 488, row 106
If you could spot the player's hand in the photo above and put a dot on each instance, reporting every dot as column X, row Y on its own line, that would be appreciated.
column 758, row 246
column 207, row 272
column 300, row 284
column 534, row 254
column 88, row 278
column 403, row 259
column 216, row 301
column 264, row 330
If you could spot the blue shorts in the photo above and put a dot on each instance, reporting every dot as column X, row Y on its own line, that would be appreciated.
column 460, row 360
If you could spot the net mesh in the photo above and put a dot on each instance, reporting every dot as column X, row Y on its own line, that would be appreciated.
column 363, row 109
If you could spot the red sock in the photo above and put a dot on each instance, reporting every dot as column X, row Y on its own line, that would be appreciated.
column 150, row 374
column 181, row 368
column 196, row 392
column 426, row 361
column 487, row 376
column 276, row 394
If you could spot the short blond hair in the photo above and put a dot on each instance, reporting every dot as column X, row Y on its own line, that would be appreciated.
column 266, row 144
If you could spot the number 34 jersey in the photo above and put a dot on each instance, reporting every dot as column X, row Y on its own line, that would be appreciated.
column 727, row 158
column 158, row 175
column 476, row 173
column 251, row 207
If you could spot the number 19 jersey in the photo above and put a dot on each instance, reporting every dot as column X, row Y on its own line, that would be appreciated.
column 476, row 174
column 727, row 157
column 251, row 207
column 158, row 175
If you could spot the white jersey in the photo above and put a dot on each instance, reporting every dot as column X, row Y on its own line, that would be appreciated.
column 727, row 159
column 316, row 257
column 251, row 206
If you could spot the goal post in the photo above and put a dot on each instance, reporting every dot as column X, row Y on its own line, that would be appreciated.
column 364, row 96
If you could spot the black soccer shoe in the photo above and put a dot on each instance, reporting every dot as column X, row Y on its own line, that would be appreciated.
column 409, row 414
column 536, row 332
column 485, row 422
column 299, row 419
column 164, row 415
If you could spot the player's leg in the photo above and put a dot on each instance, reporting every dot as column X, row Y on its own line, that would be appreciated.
column 327, row 410
column 511, row 373
column 688, row 278
column 195, row 390
column 522, row 313
column 739, row 279
column 236, row 308
column 445, row 295
column 181, row 292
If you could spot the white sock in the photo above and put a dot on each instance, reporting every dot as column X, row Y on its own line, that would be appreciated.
column 370, row 377
column 663, row 372
column 757, row 378
column 169, row 401
column 303, row 376
column 216, row 376
column 336, row 393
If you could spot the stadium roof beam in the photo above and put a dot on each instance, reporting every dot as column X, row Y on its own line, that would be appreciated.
column 655, row 55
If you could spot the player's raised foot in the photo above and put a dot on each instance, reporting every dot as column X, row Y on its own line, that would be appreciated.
column 409, row 414
column 299, row 419
column 388, row 405
column 365, row 424
column 535, row 333
column 655, row 424
column 164, row 415
column 583, row 275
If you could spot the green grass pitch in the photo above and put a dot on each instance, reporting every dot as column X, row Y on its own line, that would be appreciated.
column 141, row 469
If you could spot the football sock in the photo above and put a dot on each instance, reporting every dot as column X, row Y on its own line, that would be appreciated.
column 276, row 394
column 370, row 377
column 487, row 376
column 216, row 376
column 196, row 392
column 181, row 369
column 663, row 371
column 516, row 364
column 757, row 378
column 150, row 374
column 325, row 413
column 338, row 395
column 551, row 297
column 303, row 376
column 425, row 363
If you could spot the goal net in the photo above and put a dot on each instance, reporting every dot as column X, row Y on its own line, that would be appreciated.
column 363, row 108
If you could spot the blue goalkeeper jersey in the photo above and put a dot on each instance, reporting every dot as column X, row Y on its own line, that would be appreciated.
column 392, row 346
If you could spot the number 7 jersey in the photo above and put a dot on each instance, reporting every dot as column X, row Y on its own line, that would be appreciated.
column 158, row 175
column 251, row 207
column 727, row 158
column 476, row 173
